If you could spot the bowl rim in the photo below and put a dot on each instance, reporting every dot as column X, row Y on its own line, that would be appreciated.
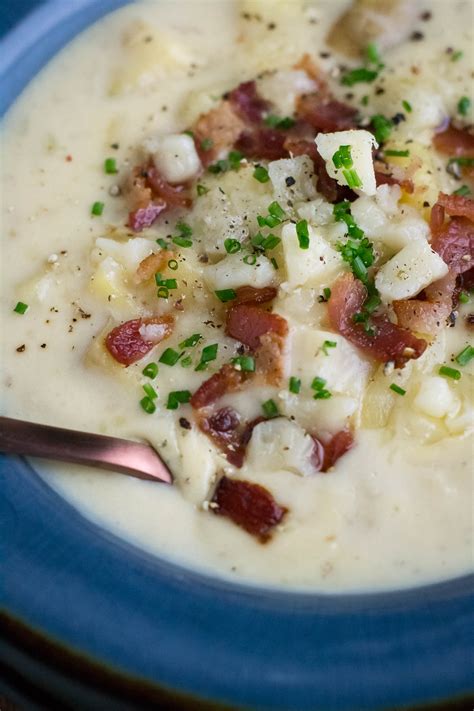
column 250, row 646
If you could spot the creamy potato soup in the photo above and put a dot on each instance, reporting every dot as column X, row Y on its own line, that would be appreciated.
column 243, row 231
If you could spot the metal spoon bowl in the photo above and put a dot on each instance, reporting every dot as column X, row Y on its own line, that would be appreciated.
column 120, row 455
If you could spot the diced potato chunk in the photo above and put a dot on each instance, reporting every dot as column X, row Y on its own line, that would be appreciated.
column 361, row 143
column 409, row 271
column 435, row 397
column 129, row 254
column 176, row 158
column 197, row 464
column 301, row 169
column 311, row 266
column 283, row 87
column 281, row 445
column 232, row 272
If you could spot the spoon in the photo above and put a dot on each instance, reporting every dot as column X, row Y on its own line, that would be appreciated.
column 119, row 455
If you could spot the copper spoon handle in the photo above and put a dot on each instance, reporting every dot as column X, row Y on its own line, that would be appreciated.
column 119, row 455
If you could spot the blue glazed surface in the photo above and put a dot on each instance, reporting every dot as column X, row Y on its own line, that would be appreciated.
column 81, row 586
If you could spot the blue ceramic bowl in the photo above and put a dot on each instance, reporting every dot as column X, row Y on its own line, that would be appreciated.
column 95, row 623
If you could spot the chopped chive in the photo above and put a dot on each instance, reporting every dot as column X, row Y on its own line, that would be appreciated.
column 328, row 344
column 184, row 229
column 397, row 389
column 372, row 303
column 270, row 409
column 270, row 242
column 182, row 241
column 150, row 370
column 466, row 355
column 163, row 243
column 110, row 166
column 257, row 240
column 456, row 56
column 235, row 158
column 322, row 395
column 294, row 385
column 148, row 405
column 275, row 210
column 170, row 357
column 208, row 353
column 201, row 189
column 464, row 104
column 206, row 144
column 352, row 178
column 327, row 293
column 261, row 174
column 232, row 246
column 189, row 133
column 407, row 106
column 186, row 362
column 21, row 308
column 277, row 122
column 463, row 191
column 173, row 264
column 356, row 76
column 382, row 127
column 365, row 100
column 225, row 295
column 462, row 161
column 372, row 53
column 318, row 383
column 221, row 166
column 359, row 268
column 448, row 372
column 163, row 292
column 244, row 363
column 150, row 391
column 274, row 263
column 400, row 154
column 250, row 259
column 342, row 157
column 176, row 398
column 464, row 297
column 302, row 233
column 97, row 208
column 191, row 341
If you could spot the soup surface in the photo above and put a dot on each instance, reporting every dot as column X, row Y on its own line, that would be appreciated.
column 275, row 199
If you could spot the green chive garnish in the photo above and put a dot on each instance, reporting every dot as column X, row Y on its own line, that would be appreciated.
column 191, row 341
column 302, row 233
column 464, row 104
column 21, row 308
column 463, row 191
column 275, row 210
column 225, row 295
column 397, row 389
column 182, row 241
column 163, row 292
column 457, row 55
column 244, row 363
column 448, row 372
column 327, row 293
column 170, row 357
column 250, row 259
column 274, row 263
column 352, row 178
column 407, row 107
column 163, row 243
column 148, row 405
column 261, row 174
column 150, row 370
column 356, row 76
column 466, row 355
column 277, row 122
column 270, row 242
column 464, row 297
column 97, row 208
column 208, row 353
column 176, row 398
column 318, row 383
column 294, row 385
column 372, row 53
column 342, row 157
column 399, row 154
column 150, row 391
column 270, row 409
column 328, row 344
column 110, row 166
column 186, row 362
column 320, row 391
column 232, row 246
column 234, row 158
column 201, row 190
column 382, row 127
column 173, row 264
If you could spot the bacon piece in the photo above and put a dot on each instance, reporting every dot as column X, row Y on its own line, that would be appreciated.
column 390, row 342
column 324, row 113
column 152, row 264
column 327, row 186
column 430, row 315
column 455, row 142
column 262, row 143
column 454, row 241
column 221, row 125
column 226, row 380
column 247, row 323
column 133, row 339
column 326, row 455
column 382, row 178
column 245, row 99
column 250, row 506
column 308, row 65
column 457, row 205
column 269, row 358
column 150, row 195
column 251, row 295
column 229, row 433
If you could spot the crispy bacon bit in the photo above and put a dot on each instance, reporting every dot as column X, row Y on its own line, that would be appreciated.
column 382, row 178
column 324, row 113
column 250, row 506
column 453, row 240
column 262, row 143
column 132, row 340
column 225, row 430
column 221, row 125
column 302, row 147
column 226, row 380
column 308, row 65
column 455, row 142
column 247, row 102
column 150, row 195
column 269, row 358
column 251, row 295
column 152, row 264
column 326, row 455
column 390, row 342
column 457, row 205
column 327, row 186
column 247, row 323
column 428, row 316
